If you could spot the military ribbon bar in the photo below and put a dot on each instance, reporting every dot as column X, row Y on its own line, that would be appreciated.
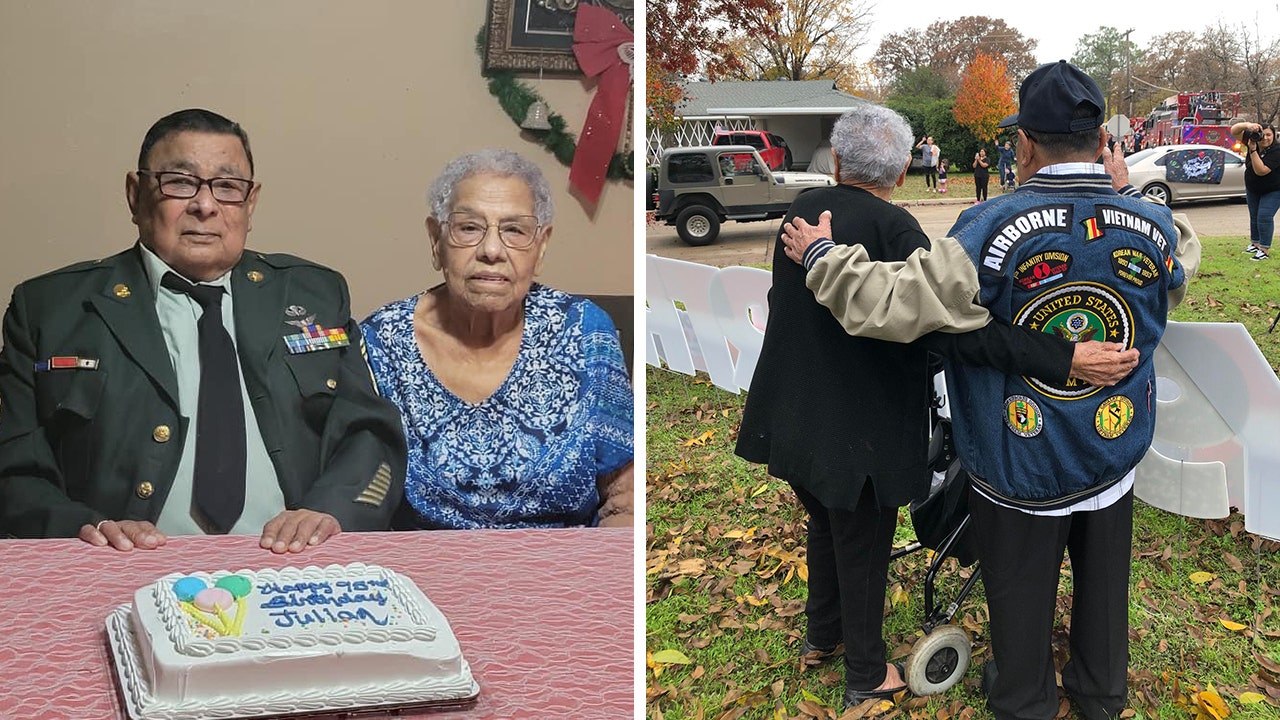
column 314, row 337
column 66, row 362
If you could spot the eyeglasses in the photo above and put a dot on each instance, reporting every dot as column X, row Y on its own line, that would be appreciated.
column 518, row 233
column 184, row 186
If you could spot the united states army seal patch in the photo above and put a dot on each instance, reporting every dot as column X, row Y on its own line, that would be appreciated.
column 1022, row 415
column 1113, row 417
column 1077, row 312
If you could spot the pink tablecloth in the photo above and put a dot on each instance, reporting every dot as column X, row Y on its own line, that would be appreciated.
column 544, row 617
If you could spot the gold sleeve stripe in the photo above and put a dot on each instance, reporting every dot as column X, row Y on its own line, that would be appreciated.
column 376, row 491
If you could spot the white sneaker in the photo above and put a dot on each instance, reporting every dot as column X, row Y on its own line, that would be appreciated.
column 1260, row 255
column 1251, row 249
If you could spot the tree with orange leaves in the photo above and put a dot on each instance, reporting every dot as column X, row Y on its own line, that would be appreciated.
column 985, row 96
column 690, row 37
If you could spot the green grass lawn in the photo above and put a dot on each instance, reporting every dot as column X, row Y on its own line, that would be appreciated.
column 726, row 571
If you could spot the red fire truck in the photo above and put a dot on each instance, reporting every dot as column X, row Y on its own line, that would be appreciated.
column 1202, row 118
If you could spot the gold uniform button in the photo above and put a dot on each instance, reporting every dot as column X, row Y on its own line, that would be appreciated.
column 331, row 384
column 145, row 489
column 160, row 434
column 121, row 290
column 254, row 276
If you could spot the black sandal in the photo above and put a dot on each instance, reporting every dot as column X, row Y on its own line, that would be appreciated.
column 853, row 698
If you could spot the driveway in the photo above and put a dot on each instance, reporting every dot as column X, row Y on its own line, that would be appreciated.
column 751, row 243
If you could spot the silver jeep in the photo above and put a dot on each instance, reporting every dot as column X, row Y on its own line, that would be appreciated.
column 701, row 187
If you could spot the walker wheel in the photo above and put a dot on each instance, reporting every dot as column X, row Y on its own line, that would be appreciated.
column 938, row 660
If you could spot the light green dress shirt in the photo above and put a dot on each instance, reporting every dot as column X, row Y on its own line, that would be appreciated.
column 179, row 315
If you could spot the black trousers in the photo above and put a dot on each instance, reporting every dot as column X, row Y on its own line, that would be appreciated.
column 1020, row 557
column 980, row 186
column 848, row 556
column 931, row 176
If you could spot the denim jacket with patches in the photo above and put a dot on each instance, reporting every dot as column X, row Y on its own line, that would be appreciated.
column 1064, row 254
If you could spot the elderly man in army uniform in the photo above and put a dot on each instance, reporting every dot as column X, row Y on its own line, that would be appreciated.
column 186, row 385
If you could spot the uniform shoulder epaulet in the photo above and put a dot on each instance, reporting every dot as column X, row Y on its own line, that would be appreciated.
column 82, row 266
column 282, row 261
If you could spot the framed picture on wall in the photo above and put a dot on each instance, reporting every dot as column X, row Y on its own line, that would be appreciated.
column 533, row 35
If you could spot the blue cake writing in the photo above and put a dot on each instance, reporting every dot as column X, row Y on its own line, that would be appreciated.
column 343, row 601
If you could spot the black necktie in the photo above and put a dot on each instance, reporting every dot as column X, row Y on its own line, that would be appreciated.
column 220, row 446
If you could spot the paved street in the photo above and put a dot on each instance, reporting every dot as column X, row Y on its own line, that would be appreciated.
column 752, row 243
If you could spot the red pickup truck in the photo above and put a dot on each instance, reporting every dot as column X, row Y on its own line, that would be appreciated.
column 772, row 148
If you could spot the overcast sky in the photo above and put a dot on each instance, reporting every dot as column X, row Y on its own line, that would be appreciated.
column 1058, row 25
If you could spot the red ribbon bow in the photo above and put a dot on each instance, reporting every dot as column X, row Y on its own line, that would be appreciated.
column 599, row 37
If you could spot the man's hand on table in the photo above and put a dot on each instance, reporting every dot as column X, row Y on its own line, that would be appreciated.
column 123, row 535
column 1102, row 364
column 798, row 235
column 295, row 530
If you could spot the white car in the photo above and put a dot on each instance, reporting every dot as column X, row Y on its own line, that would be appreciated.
column 1174, row 173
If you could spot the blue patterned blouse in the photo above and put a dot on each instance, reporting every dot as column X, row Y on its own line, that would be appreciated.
column 528, row 455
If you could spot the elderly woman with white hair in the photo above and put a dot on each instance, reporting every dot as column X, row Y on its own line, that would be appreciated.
column 516, row 402
column 844, row 420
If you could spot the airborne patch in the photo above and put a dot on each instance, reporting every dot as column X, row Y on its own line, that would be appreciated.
column 1113, row 417
column 1024, row 225
column 1134, row 266
column 1042, row 269
column 1022, row 415
column 1077, row 312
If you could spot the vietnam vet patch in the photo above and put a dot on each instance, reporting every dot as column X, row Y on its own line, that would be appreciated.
column 1077, row 312
column 1110, row 216
column 1026, row 224
column 1022, row 415
column 1134, row 266
column 1042, row 269
column 1113, row 417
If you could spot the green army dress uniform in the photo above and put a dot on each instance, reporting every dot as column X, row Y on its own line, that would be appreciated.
column 102, row 440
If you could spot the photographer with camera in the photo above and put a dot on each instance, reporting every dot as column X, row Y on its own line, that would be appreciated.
column 1261, row 184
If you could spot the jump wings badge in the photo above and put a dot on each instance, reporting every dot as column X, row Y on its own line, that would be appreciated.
column 297, row 311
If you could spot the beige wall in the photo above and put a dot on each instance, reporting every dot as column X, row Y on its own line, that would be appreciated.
column 352, row 108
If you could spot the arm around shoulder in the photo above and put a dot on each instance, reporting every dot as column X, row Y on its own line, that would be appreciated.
column 899, row 301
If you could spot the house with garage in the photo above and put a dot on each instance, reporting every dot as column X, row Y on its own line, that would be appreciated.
column 800, row 111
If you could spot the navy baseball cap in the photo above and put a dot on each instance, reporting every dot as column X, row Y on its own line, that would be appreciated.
column 1049, row 97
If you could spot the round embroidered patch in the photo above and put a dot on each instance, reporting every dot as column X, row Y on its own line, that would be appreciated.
column 1077, row 312
column 1022, row 415
column 1113, row 417
column 1042, row 269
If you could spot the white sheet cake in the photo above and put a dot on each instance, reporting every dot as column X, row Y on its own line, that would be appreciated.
column 272, row 642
